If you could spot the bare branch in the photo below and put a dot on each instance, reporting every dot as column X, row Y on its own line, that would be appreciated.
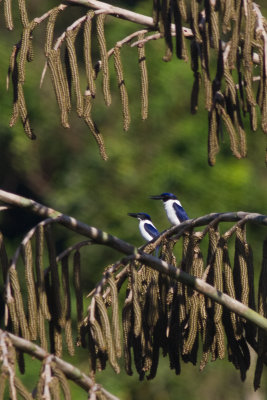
column 71, row 372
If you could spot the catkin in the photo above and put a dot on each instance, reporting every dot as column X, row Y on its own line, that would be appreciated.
column 105, row 325
column 62, row 381
column 100, row 20
column 3, row 257
column 39, row 246
column 230, row 129
column 213, row 142
column 24, row 113
column 78, row 288
column 115, row 316
column 166, row 28
column 55, row 282
column 144, row 78
column 8, row 15
column 50, row 30
column 70, row 39
column 127, row 336
column 30, row 283
column 60, row 85
column 87, row 39
column 122, row 88
column 22, row 389
column 23, row 13
column 92, row 126
column 67, row 305
column 262, row 310
column 14, row 281
column 194, row 21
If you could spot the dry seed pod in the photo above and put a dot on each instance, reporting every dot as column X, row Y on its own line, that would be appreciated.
column 122, row 88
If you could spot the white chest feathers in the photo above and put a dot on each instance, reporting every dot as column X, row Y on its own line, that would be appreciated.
column 170, row 211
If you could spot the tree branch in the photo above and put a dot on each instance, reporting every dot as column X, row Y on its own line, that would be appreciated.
column 126, row 248
column 71, row 372
column 123, row 14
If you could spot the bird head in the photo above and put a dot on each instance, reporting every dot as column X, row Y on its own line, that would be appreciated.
column 164, row 197
column 140, row 216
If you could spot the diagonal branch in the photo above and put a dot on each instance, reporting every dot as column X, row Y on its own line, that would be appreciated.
column 126, row 248
column 71, row 372
column 123, row 14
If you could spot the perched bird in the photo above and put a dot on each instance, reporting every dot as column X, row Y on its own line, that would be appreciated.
column 146, row 227
column 175, row 212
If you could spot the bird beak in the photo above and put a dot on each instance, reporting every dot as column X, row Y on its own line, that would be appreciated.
column 134, row 215
column 158, row 197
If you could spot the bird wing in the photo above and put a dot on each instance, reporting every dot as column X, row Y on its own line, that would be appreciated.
column 180, row 212
column 151, row 230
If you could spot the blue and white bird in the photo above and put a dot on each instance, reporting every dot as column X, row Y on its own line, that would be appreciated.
column 174, row 210
column 146, row 226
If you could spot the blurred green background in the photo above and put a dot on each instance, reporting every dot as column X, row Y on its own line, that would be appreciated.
column 168, row 152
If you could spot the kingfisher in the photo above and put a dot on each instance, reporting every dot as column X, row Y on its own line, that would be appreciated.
column 174, row 210
column 146, row 226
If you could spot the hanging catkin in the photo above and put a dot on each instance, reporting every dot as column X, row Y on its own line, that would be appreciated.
column 78, row 288
column 122, row 88
column 100, row 20
column 144, row 78
column 70, row 40
column 115, row 316
column 60, row 85
column 262, row 310
column 67, row 304
column 87, row 40
column 213, row 142
column 105, row 325
column 87, row 103
column 23, row 12
column 50, row 30
column 166, row 28
column 8, row 15
column 14, row 281
column 39, row 268
column 30, row 284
